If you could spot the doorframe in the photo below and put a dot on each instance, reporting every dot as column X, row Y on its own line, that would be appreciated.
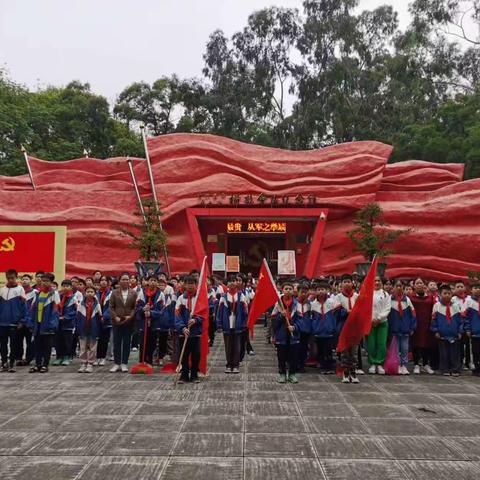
column 317, row 214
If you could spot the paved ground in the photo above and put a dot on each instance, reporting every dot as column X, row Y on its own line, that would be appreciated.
column 63, row 425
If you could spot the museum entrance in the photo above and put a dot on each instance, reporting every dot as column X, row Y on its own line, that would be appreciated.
column 253, row 249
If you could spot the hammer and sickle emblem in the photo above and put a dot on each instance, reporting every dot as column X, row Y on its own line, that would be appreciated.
column 7, row 245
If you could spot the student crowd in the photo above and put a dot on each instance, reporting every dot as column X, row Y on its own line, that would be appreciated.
column 437, row 327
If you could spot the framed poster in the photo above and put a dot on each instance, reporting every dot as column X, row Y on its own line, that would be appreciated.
column 233, row 264
column 218, row 262
column 286, row 262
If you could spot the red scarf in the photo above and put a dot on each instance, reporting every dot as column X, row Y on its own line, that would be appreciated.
column 287, row 304
column 302, row 304
column 190, row 296
column 349, row 295
column 322, row 305
column 103, row 294
column 150, row 294
column 232, row 292
column 89, row 302
column 448, row 314
column 27, row 289
column 64, row 299
column 399, row 299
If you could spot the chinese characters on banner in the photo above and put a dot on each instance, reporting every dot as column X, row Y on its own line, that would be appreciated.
column 257, row 227
column 258, row 200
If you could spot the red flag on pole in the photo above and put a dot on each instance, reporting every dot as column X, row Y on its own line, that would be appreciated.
column 200, row 309
column 359, row 321
column 266, row 295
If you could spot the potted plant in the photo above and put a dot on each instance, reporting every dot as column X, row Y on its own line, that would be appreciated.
column 371, row 236
column 149, row 238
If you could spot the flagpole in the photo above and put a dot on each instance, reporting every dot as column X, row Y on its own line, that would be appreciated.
column 30, row 174
column 135, row 186
column 154, row 192
column 282, row 307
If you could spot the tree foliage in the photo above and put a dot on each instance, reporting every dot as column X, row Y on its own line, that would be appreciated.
column 293, row 79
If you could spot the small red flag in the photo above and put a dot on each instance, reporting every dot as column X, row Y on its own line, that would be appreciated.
column 200, row 309
column 359, row 321
column 266, row 295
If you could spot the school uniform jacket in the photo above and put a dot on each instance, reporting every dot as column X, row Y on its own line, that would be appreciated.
column 305, row 316
column 346, row 304
column 68, row 312
column 50, row 314
column 169, row 312
column 225, row 308
column 157, row 310
column 401, row 319
column 183, row 309
column 29, row 296
column 281, row 334
column 13, row 307
column 472, row 317
column 324, row 324
column 103, row 298
column 447, row 328
column 95, row 325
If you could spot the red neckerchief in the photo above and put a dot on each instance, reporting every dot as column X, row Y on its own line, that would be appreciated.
column 448, row 314
column 65, row 297
column 190, row 296
column 287, row 304
column 103, row 293
column 322, row 304
column 150, row 294
column 302, row 304
column 399, row 299
column 349, row 296
column 88, row 309
column 232, row 292
column 27, row 289
column 462, row 296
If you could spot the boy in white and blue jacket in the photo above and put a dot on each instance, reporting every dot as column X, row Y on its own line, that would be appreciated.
column 12, row 315
column 447, row 325
column 471, row 314
column 42, row 320
column 88, row 325
column 231, row 319
column 286, row 334
column 323, row 327
column 67, row 315
column 189, row 329
column 303, row 309
column 24, row 335
column 402, row 322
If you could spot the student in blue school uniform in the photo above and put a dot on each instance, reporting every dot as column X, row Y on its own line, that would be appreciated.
column 323, row 310
column 232, row 314
column 304, row 311
column 103, row 296
column 43, row 319
column 472, row 325
column 12, row 315
column 402, row 323
column 189, row 329
column 67, row 311
column 447, row 325
column 286, row 334
column 88, row 325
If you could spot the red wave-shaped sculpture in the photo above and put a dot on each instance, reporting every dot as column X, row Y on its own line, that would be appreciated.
column 95, row 199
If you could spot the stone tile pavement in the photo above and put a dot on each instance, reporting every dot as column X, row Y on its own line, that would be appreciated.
column 64, row 425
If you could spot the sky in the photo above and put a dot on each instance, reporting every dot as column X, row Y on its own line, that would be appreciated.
column 112, row 43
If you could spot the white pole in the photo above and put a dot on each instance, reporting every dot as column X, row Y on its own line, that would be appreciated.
column 25, row 155
column 135, row 186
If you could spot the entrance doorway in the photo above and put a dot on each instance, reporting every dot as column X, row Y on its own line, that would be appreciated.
column 253, row 249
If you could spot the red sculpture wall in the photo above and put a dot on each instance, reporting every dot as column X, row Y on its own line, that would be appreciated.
column 95, row 198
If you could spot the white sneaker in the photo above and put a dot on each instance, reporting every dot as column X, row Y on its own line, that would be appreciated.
column 416, row 370
column 345, row 379
column 101, row 362
column 400, row 370
column 89, row 368
column 405, row 371
column 428, row 369
column 472, row 366
column 235, row 370
column 380, row 370
column 134, row 349
column 359, row 372
column 82, row 369
column 228, row 370
column 124, row 368
column 372, row 370
column 115, row 368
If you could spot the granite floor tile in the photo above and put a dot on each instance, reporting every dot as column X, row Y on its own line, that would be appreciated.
column 263, row 424
column 343, row 446
column 42, row 468
column 204, row 444
column 283, row 469
column 214, row 424
column 205, row 468
column 336, row 426
column 142, row 444
column 428, row 470
column 277, row 445
column 363, row 469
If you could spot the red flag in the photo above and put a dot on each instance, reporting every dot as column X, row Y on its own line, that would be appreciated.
column 266, row 295
column 359, row 320
column 200, row 308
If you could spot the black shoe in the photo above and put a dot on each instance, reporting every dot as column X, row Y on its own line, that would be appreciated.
column 43, row 370
column 183, row 379
column 195, row 379
column 5, row 367
column 11, row 368
column 34, row 369
column 251, row 352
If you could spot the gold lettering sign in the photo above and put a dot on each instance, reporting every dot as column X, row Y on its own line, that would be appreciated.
column 257, row 227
